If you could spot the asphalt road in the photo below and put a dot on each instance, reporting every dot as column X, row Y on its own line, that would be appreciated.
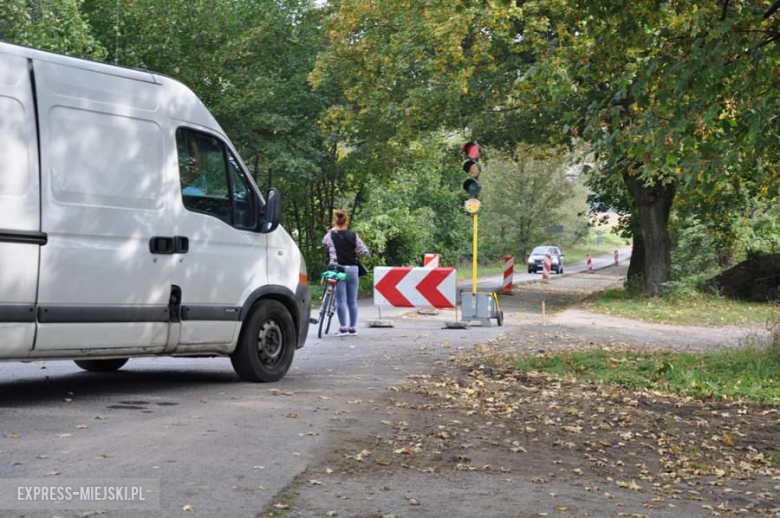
column 215, row 446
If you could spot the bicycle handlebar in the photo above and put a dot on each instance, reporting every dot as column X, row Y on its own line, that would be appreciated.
column 328, row 274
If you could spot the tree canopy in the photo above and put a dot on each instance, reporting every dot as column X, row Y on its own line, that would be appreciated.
column 364, row 103
column 673, row 97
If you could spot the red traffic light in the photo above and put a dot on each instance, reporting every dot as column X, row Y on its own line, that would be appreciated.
column 471, row 149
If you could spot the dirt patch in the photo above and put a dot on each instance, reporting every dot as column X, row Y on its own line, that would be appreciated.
column 479, row 439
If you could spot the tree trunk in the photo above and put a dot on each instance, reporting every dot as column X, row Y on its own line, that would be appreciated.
column 654, row 204
column 637, row 265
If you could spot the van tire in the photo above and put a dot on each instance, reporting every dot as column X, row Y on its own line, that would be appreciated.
column 266, row 345
column 101, row 365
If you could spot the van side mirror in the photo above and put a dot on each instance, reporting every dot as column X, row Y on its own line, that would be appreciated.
column 270, row 217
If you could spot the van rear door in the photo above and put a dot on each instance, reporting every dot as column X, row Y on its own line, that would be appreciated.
column 20, row 224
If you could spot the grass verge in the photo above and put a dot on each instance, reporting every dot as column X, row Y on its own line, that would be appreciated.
column 752, row 374
column 464, row 270
column 699, row 310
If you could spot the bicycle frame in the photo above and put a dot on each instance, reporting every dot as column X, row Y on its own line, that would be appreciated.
column 328, row 306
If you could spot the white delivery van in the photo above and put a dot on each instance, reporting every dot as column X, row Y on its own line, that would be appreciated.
column 129, row 226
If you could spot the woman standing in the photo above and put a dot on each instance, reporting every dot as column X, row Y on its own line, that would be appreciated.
column 343, row 247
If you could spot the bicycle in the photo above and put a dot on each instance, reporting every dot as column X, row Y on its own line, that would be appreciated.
column 331, row 277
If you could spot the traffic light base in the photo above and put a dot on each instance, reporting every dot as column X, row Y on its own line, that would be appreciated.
column 482, row 307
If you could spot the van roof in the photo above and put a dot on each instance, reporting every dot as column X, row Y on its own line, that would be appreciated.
column 195, row 111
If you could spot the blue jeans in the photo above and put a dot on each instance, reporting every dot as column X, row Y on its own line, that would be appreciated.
column 346, row 297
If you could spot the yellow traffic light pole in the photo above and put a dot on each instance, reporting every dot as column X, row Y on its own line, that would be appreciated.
column 478, row 304
column 475, row 217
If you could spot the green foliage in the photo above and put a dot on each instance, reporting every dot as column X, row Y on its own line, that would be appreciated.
column 679, row 93
column 748, row 373
column 364, row 104
column 703, row 246
column 416, row 207
column 694, row 249
column 761, row 235
column 525, row 193
column 56, row 25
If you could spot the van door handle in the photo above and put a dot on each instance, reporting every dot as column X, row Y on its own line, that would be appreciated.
column 161, row 245
column 181, row 245
column 169, row 245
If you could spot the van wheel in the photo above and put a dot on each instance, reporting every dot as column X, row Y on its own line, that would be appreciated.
column 101, row 365
column 267, row 343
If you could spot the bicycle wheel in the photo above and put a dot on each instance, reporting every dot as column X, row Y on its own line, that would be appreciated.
column 326, row 301
column 331, row 310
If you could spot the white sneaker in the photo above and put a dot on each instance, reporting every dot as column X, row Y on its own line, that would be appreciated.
column 352, row 332
column 341, row 332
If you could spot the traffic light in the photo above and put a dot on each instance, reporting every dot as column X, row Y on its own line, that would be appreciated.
column 472, row 168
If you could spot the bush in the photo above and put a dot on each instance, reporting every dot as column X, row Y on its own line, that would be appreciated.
column 692, row 250
column 685, row 288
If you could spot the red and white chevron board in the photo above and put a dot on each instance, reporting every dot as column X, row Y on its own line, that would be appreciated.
column 431, row 261
column 407, row 287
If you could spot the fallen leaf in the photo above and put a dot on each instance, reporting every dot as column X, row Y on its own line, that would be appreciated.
column 281, row 506
column 64, row 435
column 13, row 436
column 629, row 485
column 408, row 450
column 187, row 507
